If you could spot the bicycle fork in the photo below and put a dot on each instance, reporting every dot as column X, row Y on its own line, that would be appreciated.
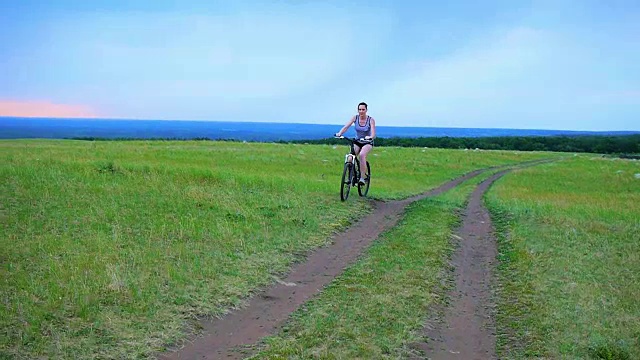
column 349, row 158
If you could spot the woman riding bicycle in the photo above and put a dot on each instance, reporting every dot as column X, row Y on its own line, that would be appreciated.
column 365, row 129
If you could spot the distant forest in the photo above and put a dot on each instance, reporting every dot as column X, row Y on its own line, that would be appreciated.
column 624, row 145
column 620, row 144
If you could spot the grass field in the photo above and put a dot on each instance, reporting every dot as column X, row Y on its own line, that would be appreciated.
column 570, row 260
column 113, row 249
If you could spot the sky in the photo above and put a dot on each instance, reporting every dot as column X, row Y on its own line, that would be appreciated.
column 552, row 64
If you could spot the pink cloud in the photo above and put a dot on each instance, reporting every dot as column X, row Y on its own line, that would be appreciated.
column 44, row 109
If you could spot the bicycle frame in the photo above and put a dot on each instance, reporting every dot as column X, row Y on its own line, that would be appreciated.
column 352, row 153
column 351, row 171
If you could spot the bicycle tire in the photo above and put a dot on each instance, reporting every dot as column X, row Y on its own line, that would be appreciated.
column 363, row 190
column 345, row 185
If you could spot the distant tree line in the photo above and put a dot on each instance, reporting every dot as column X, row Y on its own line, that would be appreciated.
column 625, row 145
column 99, row 138
column 618, row 144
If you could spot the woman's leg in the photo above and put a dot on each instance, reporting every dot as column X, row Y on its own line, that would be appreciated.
column 356, row 149
column 363, row 159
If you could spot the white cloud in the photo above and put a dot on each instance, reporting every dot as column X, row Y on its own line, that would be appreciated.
column 128, row 62
column 469, row 81
column 521, row 78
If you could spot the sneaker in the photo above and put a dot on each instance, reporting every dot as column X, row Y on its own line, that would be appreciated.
column 361, row 182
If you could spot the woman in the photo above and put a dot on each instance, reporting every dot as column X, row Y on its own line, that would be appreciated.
column 365, row 128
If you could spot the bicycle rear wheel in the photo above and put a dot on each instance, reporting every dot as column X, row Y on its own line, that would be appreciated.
column 345, row 185
column 363, row 189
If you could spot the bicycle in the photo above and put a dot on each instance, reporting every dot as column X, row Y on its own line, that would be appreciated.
column 351, row 171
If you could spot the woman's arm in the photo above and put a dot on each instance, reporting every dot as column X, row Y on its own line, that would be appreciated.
column 346, row 126
column 373, row 128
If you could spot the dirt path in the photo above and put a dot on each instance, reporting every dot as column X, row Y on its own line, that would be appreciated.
column 467, row 330
column 225, row 338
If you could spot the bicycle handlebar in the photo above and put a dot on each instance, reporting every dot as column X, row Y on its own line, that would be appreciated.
column 362, row 140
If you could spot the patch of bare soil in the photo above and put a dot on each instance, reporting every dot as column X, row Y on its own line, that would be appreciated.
column 231, row 336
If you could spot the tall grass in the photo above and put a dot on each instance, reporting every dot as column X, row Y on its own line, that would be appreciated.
column 570, row 260
column 113, row 249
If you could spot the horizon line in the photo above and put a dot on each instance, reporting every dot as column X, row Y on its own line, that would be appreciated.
column 298, row 123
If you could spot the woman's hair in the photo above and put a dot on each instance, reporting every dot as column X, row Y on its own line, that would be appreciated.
column 365, row 105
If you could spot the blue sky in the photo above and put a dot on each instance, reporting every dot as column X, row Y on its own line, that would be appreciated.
column 570, row 65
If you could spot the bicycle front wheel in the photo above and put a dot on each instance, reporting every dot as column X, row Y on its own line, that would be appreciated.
column 345, row 185
column 363, row 189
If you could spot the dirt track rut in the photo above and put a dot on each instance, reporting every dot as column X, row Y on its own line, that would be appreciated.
column 468, row 328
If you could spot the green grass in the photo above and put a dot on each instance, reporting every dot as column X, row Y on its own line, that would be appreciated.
column 377, row 308
column 113, row 249
column 570, row 260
